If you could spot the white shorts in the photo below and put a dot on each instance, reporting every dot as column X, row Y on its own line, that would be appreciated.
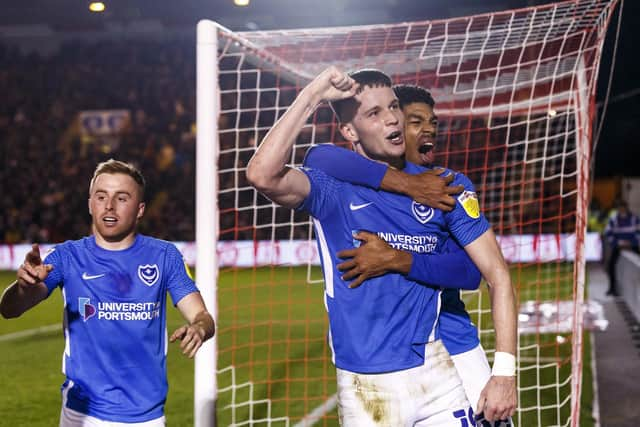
column 474, row 371
column 71, row 418
column 426, row 396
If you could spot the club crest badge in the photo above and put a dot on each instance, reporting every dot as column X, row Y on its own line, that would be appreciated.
column 85, row 308
column 149, row 274
column 422, row 213
column 469, row 202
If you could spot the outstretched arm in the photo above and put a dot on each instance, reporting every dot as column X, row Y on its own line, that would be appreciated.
column 200, row 325
column 267, row 170
column 29, row 288
column 428, row 188
column 498, row 399
column 375, row 257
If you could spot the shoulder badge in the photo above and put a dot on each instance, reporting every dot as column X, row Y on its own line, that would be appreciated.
column 469, row 202
column 187, row 269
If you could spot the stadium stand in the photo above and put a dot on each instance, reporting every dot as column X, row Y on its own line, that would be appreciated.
column 43, row 156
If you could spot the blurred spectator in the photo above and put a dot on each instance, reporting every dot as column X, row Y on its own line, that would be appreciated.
column 622, row 232
column 597, row 217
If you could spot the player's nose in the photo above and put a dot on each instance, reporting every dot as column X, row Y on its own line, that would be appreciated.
column 390, row 118
column 429, row 129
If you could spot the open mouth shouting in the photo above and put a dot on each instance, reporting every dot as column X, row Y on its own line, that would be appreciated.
column 427, row 150
column 395, row 137
column 424, row 149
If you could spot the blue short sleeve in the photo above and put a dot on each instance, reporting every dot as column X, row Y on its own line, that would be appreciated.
column 180, row 283
column 466, row 221
column 322, row 198
column 56, row 259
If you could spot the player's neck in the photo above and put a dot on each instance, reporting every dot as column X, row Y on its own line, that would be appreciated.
column 115, row 244
column 397, row 163
column 394, row 162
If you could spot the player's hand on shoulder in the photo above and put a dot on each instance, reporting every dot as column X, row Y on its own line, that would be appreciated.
column 499, row 398
column 32, row 271
column 433, row 189
column 333, row 84
column 191, row 338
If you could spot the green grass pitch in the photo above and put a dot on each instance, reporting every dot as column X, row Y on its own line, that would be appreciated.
column 272, row 342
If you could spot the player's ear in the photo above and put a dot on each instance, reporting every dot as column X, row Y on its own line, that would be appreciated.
column 89, row 205
column 141, row 207
column 348, row 132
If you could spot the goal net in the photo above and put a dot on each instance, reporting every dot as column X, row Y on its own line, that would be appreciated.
column 514, row 94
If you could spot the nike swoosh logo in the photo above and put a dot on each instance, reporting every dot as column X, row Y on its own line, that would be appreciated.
column 85, row 276
column 358, row 207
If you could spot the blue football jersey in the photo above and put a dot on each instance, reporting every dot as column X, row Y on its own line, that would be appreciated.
column 115, row 324
column 382, row 325
column 455, row 328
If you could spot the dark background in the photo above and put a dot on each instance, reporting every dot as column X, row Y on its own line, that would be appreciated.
column 617, row 151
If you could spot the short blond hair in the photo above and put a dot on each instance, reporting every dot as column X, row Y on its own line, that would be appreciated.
column 113, row 166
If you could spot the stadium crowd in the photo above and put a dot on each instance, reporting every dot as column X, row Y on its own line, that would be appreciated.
column 45, row 159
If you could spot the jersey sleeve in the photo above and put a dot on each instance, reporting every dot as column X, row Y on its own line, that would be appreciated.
column 180, row 284
column 345, row 165
column 56, row 259
column 321, row 200
column 466, row 222
column 450, row 268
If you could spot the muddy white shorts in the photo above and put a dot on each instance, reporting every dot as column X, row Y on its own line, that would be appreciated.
column 426, row 396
